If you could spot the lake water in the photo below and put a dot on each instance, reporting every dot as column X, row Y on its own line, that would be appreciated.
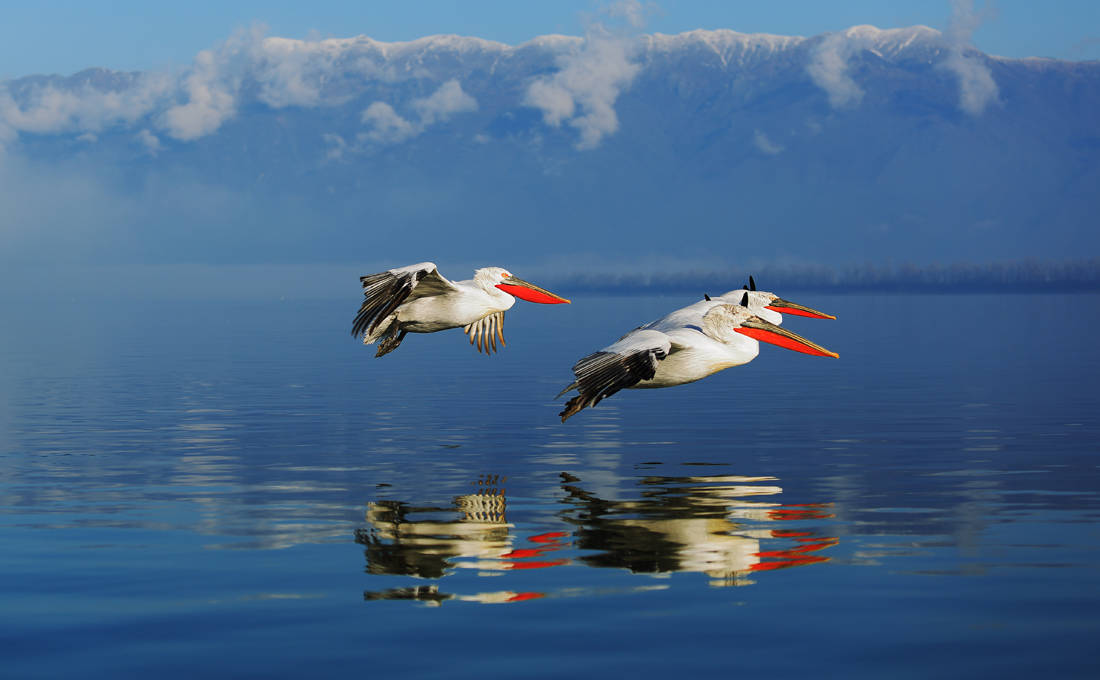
column 240, row 489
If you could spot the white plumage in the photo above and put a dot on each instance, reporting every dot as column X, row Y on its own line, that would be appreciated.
column 684, row 346
column 418, row 299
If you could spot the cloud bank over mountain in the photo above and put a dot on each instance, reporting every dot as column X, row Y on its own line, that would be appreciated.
column 583, row 91
column 386, row 126
column 577, row 82
column 865, row 145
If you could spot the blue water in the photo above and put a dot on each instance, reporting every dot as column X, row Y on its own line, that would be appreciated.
column 239, row 489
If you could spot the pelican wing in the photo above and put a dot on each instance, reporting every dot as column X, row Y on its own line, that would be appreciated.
column 387, row 291
column 485, row 331
column 624, row 364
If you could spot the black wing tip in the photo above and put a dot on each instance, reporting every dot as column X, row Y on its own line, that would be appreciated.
column 561, row 394
column 599, row 376
column 384, row 293
column 367, row 279
column 573, row 407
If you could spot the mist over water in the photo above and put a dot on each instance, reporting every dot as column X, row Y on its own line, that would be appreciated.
column 77, row 284
column 226, row 488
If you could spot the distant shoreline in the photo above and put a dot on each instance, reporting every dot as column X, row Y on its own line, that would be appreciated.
column 997, row 277
column 332, row 280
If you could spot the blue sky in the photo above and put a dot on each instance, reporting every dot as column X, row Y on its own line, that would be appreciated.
column 65, row 36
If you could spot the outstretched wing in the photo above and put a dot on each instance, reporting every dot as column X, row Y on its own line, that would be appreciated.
column 388, row 290
column 629, row 361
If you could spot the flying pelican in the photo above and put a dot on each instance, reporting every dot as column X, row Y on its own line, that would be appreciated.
column 768, row 306
column 418, row 299
column 687, row 345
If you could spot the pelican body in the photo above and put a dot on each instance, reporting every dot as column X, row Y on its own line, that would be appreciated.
column 418, row 299
column 688, row 344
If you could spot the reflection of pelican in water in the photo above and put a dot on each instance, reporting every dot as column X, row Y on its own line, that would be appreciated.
column 724, row 526
column 429, row 542
column 686, row 524
column 431, row 594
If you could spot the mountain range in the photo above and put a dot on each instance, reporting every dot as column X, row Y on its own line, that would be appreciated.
column 608, row 152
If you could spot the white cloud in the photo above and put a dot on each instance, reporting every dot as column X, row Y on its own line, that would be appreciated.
column 765, row 144
column 828, row 68
column 209, row 103
column 294, row 72
column 186, row 105
column 150, row 141
column 977, row 89
column 48, row 109
column 555, row 101
column 289, row 77
column 388, row 127
column 584, row 91
column 448, row 100
column 593, row 72
column 829, row 62
column 212, row 87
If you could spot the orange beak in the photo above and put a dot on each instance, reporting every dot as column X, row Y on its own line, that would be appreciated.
column 758, row 329
column 530, row 292
column 787, row 307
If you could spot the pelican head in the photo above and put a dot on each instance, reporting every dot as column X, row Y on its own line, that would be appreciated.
column 778, row 304
column 762, row 299
column 726, row 319
column 496, row 277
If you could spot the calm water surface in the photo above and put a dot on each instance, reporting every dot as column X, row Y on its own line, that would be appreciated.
column 239, row 489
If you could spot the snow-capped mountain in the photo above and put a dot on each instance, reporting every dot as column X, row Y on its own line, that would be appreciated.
column 863, row 145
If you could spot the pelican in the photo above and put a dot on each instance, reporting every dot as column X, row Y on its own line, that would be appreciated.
column 769, row 306
column 418, row 299
column 687, row 345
